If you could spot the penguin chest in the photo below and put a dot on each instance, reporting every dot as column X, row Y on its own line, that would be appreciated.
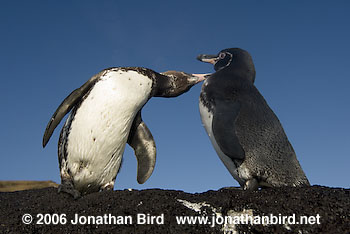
column 207, row 121
column 101, row 124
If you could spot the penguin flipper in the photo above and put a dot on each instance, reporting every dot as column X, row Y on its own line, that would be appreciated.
column 141, row 140
column 68, row 103
column 224, row 130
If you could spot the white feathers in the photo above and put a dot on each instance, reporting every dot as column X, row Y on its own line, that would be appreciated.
column 101, row 126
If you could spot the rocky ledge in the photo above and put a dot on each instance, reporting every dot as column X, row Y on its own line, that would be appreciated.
column 313, row 209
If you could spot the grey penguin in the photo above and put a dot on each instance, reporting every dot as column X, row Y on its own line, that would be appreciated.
column 246, row 134
column 105, row 114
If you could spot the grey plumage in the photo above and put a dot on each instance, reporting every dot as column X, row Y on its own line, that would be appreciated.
column 249, row 137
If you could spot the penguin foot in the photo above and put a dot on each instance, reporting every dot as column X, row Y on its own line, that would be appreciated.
column 108, row 186
column 264, row 184
column 70, row 190
column 251, row 185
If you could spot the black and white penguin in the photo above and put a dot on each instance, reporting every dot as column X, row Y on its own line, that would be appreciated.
column 244, row 131
column 105, row 115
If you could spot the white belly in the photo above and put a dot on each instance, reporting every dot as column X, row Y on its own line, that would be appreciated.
column 101, row 126
column 207, row 120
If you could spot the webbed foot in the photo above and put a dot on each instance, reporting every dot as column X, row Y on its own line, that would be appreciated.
column 67, row 188
column 251, row 185
column 107, row 187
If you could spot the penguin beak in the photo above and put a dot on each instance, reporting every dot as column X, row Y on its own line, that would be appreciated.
column 207, row 58
column 201, row 77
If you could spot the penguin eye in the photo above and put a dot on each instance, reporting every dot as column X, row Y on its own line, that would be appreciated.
column 222, row 55
column 223, row 60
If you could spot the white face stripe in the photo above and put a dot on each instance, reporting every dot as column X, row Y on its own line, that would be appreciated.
column 229, row 62
column 101, row 126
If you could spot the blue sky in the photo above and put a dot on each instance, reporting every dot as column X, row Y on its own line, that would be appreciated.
column 300, row 49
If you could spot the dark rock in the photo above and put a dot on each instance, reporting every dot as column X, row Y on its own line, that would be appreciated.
column 332, row 205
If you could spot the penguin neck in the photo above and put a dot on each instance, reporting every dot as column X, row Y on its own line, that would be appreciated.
column 240, row 72
column 236, row 78
column 224, row 85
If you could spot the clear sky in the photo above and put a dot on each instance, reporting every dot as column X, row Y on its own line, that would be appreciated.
column 301, row 51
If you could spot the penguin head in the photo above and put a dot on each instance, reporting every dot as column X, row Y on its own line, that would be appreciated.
column 232, row 60
column 175, row 83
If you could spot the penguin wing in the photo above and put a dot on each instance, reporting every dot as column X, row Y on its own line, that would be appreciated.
column 141, row 140
column 67, row 104
column 224, row 130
